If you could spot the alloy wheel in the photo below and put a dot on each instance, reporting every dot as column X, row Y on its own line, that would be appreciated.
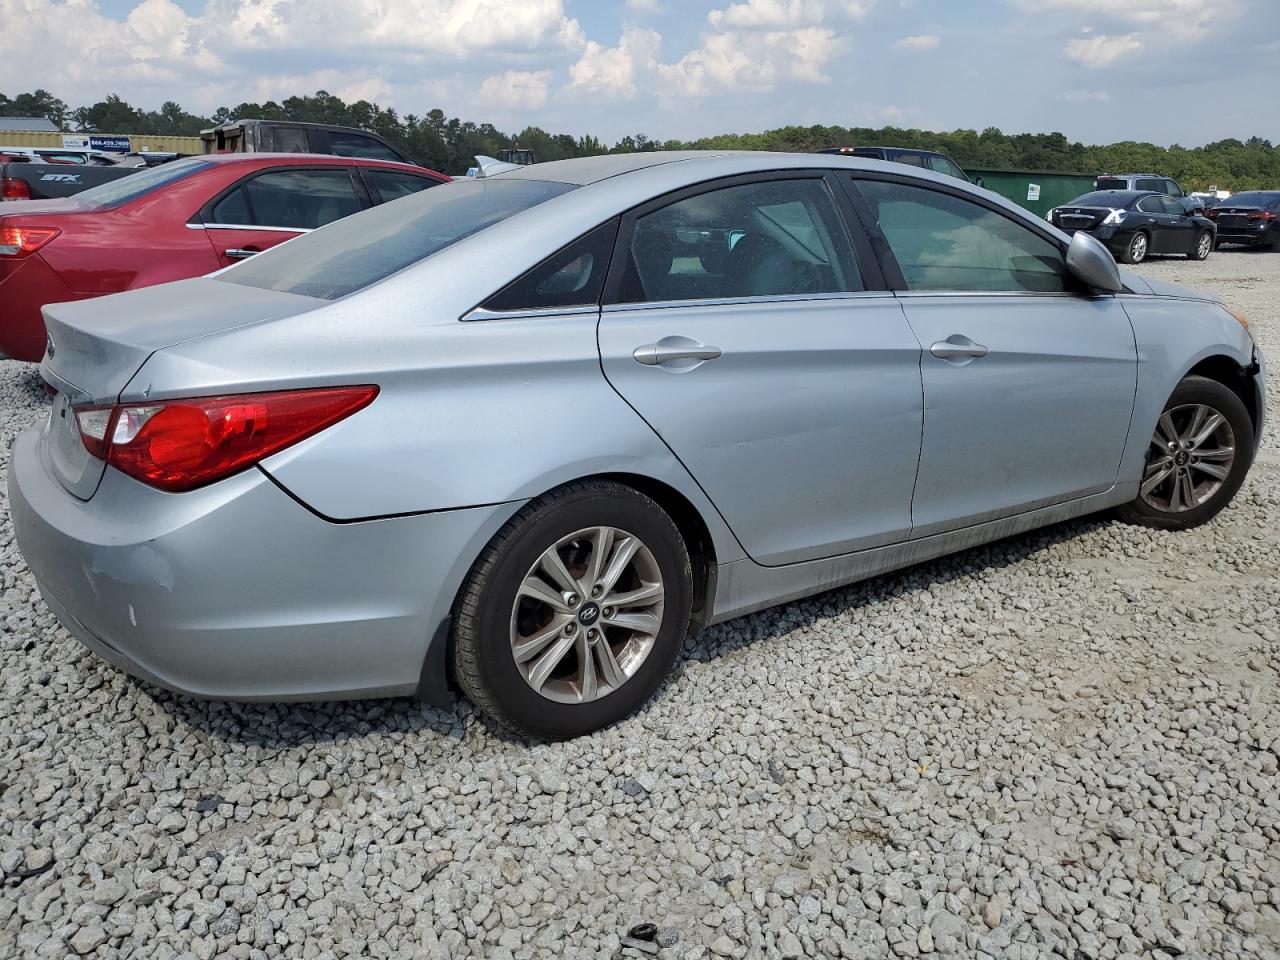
column 1191, row 456
column 587, row 614
column 1138, row 248
column 1204, row 246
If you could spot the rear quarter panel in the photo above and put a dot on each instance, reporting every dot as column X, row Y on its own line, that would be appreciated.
column 1173, row 335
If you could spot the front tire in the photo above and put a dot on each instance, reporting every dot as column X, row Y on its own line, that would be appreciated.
column 1197, row 458
column 574, row 613
column 1204, row 244
column 1137, row 249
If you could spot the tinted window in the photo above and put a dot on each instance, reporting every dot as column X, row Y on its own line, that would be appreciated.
column 1172, row 206
column 943, row 165
column 772, row 238
column 389, row 185
column 1103, row 198
column 1151, row 205
column 231, row 209
column 301, row 199
column 382, row 240
column 139, row 184
column 1156, row 185
column 943, row 242
column 1263, row 199
column 1112, row 183
column 285, row 140
column 355, row 145
column 1172, row 189
column 571, row 277
column 912, row 158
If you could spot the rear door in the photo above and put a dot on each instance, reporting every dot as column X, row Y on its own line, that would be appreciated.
column 1162, row 230
column 1028, row 384
column 387, row 185
column 751, row 331
column 270, row 207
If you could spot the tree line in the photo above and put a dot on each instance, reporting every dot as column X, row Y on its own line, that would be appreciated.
column 449, row 144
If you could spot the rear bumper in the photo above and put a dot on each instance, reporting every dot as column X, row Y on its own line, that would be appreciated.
column 236, row 591
column 1250, row 237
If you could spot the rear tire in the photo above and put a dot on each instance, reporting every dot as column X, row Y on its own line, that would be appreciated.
column 1189, row 475
column 1204, row 244
column 1136, row 250
column 527, row 649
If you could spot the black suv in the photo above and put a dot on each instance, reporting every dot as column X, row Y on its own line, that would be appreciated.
column 286, row 136
column 929, row 159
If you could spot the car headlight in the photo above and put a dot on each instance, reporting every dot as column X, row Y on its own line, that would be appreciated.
column 1115, row 216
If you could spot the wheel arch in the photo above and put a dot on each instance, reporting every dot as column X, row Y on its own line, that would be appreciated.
column 1230, row 374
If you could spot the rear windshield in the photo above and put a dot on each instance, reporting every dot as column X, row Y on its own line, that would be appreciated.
column 362, row 249
column 1111, row 183
column 1266, row 200
column 1103, row 198
column 115, row 192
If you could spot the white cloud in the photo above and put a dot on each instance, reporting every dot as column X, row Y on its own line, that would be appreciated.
column 516, row 88
column 1187, row 17
column 1085, row 96
column 1098, row 50
column 755, row 61
column 918, row 42
column 645, row 6
column 615, row 70
column 779, row 14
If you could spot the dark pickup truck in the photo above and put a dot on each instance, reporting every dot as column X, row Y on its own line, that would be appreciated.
column 21, row 180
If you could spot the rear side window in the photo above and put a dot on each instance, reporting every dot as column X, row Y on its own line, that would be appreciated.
column 914, row 159
column 136, row 185
column 1156, row 185
column 355, row 145
column 378, row 242
column 571, row 277
column 285, row 140
column 1151, row 205
column 945, row 243
column 388, row 185
column 300, row 199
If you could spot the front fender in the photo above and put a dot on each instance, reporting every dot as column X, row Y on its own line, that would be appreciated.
column 1174, row 335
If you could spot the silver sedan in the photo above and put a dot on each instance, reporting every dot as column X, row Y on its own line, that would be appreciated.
column 521, row 431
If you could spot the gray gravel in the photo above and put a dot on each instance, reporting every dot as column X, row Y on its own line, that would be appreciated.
column 1062, row 745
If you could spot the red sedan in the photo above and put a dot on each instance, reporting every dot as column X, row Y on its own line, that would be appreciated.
column 182, row 219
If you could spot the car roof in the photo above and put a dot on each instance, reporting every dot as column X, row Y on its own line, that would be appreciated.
column 308, row 158
column 1122, row 176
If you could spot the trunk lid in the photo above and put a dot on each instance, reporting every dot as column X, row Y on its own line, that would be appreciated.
column 96, row 346
column 1234, row 216
column 1080, row 218
column 45, row 208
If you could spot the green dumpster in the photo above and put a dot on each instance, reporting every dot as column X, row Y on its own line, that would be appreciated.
column 1037, row 190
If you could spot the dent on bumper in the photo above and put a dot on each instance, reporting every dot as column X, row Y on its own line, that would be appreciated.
column 236, row 591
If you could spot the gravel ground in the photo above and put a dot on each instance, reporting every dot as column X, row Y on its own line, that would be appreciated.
column 1061, row 745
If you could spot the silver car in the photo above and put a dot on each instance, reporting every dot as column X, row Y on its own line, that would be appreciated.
column 523, row 430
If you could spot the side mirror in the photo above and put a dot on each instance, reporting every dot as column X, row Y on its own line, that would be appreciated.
column 1092, row 264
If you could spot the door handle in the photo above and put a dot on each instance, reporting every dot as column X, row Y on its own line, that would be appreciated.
column 958, row 347
column 673, row 350
column 241, row 253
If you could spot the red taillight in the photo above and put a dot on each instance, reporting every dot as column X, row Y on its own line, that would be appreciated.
column 11, row 188
column 24, row 241
column 1212, row 214
column 1262, row 215
column 177, row 445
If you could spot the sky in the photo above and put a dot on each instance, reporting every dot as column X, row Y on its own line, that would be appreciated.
column 1167, row 71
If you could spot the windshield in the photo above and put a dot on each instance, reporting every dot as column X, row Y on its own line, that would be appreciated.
column 1265, row 200
column 362, row 249
column 135, row 185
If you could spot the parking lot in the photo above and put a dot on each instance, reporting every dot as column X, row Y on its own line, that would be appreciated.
column 1064, row 744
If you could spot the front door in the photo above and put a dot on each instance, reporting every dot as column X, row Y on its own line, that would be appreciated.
column 738, row 324
column 1028, row 384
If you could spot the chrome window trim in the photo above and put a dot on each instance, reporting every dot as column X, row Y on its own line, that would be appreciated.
column 909, row 294
column 480, row 313
column 746, row 301
column 247, row 226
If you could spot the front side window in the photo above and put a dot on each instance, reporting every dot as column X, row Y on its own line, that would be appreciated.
column 300, row 199
column 768, row 238
column 571, row 277
column 1172, row 189
column 943, row 165
column 945, row 243
column 385, row 239
column 355, row 145
column 914, row 159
